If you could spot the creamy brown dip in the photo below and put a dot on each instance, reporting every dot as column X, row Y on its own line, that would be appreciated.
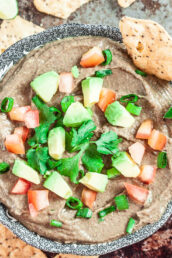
column 155, row 98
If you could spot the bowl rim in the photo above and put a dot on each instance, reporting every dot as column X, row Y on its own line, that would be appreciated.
column 7, row 59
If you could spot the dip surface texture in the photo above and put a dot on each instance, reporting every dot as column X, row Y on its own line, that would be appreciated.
column 155, row 98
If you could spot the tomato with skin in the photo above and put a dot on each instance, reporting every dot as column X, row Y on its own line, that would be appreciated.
column 92, row 58
column 21, row 187
column 14, row 144
column 107, row 97
column 22, row 131
column 88, row 197
column 136, row 193
column 18, row 113
column 39, row 199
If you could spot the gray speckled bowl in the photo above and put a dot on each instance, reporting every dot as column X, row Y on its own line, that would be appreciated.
column 7, row 59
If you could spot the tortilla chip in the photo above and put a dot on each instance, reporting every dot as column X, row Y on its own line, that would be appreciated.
column 125, row 3
column 73, row 256
column 13, row 30
column 149, row 45
column 11, row 246
column 58, row 8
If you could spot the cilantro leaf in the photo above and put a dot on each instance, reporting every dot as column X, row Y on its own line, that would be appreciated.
column 46, row 114
column 70, row 166
column 47, row 117
column 92, row 159
column 84, row 133
column 41, row 135
column 37, row 159
column 108, row 143
column 66, row 102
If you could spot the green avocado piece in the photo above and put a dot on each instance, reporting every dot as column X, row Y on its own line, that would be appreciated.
column 8, row 9
column 116, row 114
column 125, row 165
column 95, row 181
column 46, row 85
column 56, row 142
column 21, row 169
column 58, row 185
column 75, row 115
column 91, row 88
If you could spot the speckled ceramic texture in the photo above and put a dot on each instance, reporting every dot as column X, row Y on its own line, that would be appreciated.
column 7, row 59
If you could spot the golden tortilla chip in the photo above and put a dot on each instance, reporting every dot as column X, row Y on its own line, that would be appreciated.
column 13, row 30
column 58, row 8
column 149, row 45
column 125, row 3
column 73, row 256
column 11, row 246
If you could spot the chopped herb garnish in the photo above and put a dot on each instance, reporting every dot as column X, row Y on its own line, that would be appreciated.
column 52, row 164
column 75, row 71
column 7, row 105
column 121, row 202
column 141, row 72
column 108, row 143
column 4, row 167
column 40, row 136
column 168, row 114
column 106, row 211
column 37, row 159
column 84, row 213
column 108, row 56
column 66, row 102
column 112, row 173
column 74, row 203
column 92, row 159
column 46, row 115
column 70, row 166
column 84, row 133
column 162, row 160
column 55, row 223
column 130, row 225
column 56, row 112
column 103, row 73
column 130, row 98
column 133, row 109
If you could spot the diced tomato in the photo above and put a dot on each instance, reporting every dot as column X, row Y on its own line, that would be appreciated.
column 32, row 119
column 157, row 140
column 136, row 193
column 18, row 113
column 137, row 151
column 145, row 129
column 21, row 187
column 14, row 144
column 107, row 96
column 22, row 132
column 92, row 58
column 66, row 82
column 39, row 198
column 32, row 210
column 88, row 197
column 147, row 174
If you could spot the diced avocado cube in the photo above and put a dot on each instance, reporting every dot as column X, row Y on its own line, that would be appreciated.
column 56, row 142
column 46, row 85
column 125, row 165
column 75, row 115
column 58, row 185
column 95, row 181
column 117, row 115
column 21, row 169
column 91, row 88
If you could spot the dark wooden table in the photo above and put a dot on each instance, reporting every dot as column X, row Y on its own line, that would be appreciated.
column 108, row 12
